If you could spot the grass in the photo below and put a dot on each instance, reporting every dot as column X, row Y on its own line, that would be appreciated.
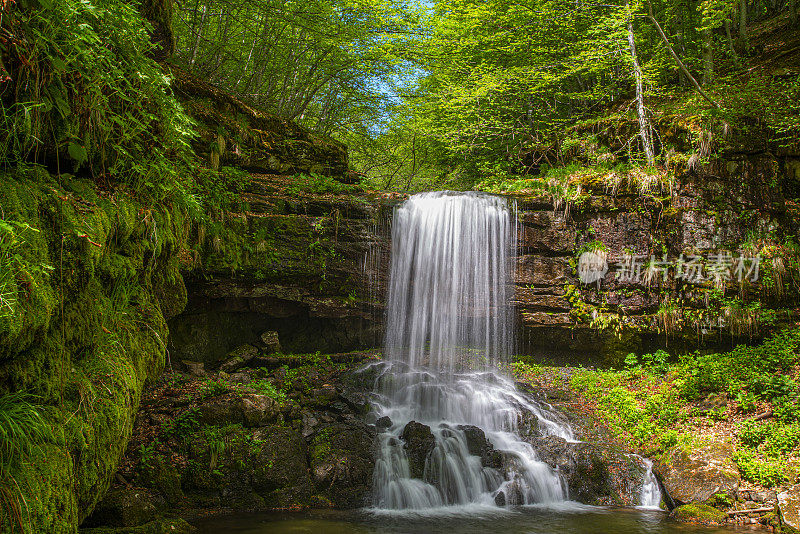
column 22, row 429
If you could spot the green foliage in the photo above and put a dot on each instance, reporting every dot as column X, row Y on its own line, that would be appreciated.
column 316, row 183
column 316, row 61
column 265, row 387
column 22, row 428
column 183, row 425
column 212, row 388
column 84, row 87
column 761, row 370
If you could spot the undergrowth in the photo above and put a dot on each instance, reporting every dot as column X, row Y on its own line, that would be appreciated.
column 749, row 394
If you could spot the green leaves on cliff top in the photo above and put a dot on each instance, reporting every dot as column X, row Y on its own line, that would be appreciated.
column 83, row 89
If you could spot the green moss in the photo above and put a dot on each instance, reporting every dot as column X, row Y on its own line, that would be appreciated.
column 698, row 513
column 86, row 334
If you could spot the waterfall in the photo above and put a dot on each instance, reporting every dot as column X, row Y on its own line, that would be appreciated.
column 650, row 496
column 453, row 424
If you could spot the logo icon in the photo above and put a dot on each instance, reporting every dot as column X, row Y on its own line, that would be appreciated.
column 592, row 266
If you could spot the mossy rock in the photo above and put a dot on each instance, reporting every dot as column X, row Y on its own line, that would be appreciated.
column 699, row 513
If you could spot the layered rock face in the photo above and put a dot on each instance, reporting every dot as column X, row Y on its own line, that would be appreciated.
column 305, row 265
column 736, row 204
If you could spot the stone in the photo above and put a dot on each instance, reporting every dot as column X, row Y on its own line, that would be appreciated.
column 789, row 505
column 694, row 473
column 277, row 470
column 383, row 422
column 342, row 463
column 477, row 444
column 271, row 342
column 258, row 410
column 194, row 368
column 594, row 475
column 123, row 507
column 419, row 442
column 699, row 513
column 239, row 357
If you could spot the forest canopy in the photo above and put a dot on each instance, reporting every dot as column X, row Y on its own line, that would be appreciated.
column 446, row 93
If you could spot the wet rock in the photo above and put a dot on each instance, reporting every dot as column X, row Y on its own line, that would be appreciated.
column 695, row 473
column 419, row 442
column 698, row 513
column 238, row 358
column 322, row 397
column 342, row 463
column 789, row 504
column 277, row 468
column 258, row 410
column 528, row 424
column 594, row 474
column 271, row 342
column 383, row 422
column 500, row 499
column 477, row 444
column 124, row 507
column 250, row 409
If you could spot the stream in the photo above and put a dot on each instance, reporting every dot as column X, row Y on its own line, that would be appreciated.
column 562, row 518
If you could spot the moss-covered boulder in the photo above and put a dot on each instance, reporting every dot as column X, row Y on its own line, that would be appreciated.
column 342, row 462
column 696, row 472
column 595, row 474
column 789, row 503
column 123, row 507
column 699, row 513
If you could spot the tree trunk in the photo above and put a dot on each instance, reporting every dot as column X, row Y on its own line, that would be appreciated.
column 708, row 57
column 731, row 48
column 644, row 124
column 743, row 25
column 197, row 39
column 677, row 58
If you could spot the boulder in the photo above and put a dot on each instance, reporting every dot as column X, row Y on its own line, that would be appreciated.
column 238, row 358
column 342, row 463
column 383, row 422
column 693, row 473
column 594, row 475
column 419, row 442
column 271, row 342
column 277, row 468
column 250, row 409
column 258, row 410
column 123, row 507
column 698, row 513
column 789, row 504
column 194, row 368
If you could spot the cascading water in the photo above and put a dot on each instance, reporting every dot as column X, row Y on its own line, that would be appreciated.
column 449, row 329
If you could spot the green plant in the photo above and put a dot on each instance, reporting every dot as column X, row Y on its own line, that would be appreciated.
column 265, row 387
column 110, row 111
column 23, row 429
column 212, row 388
column 184, row 424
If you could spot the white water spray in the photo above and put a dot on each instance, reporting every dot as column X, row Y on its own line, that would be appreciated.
column 449, row 327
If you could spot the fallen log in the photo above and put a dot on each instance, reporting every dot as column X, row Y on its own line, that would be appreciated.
column 751, row 511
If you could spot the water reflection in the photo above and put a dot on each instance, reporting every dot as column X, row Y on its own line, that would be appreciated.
column 562, row 518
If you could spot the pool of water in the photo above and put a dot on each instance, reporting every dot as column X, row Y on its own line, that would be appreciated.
column 560, row 519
